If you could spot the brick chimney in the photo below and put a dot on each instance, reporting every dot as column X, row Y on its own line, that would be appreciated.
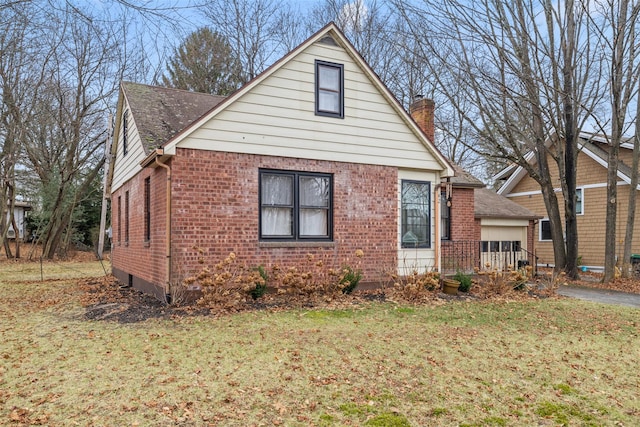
column 421, row 110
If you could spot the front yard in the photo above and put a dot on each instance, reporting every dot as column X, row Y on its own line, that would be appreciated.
column 533, row 362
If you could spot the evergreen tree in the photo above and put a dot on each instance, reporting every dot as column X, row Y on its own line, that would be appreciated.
column 204, row 62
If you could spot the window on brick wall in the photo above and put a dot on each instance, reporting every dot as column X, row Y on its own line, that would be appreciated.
column 416, row 214
column 445, row 217
column 296, row 206
column 119, row 219
column 329, row 89
column 147, row 209
column 126, row 217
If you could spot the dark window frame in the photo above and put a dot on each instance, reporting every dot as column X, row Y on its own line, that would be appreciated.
column 403, row 216
column 125, row 132
column 327, row 113
column 126, row 217
column 296, row 207
column 147, row 209
column 119, row 220
column 445, row 217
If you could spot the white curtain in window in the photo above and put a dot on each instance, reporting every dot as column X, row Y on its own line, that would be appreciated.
column 329, row 89
column 277, row 202
column 313, row 222
column 314, row 194
column 314, row 191
column 276, row 222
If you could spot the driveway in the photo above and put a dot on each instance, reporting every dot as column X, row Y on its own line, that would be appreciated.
column 601, row 295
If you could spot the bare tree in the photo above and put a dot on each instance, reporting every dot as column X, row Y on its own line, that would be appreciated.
column 64, row 119
column 523, row 88
column 618, row 36
column 259, row 31
column 633, row 193
column 15, row 62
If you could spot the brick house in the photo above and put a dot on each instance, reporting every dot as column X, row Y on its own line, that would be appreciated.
column 314, row 155
column 591, row 189
column 477, row 225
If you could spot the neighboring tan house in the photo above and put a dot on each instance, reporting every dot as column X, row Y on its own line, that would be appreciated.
column 313, row 156
column 591, row 188
column 20, row 210
column 477, row 226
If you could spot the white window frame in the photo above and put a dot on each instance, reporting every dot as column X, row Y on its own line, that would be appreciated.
column 540, row 230
column 581, row 191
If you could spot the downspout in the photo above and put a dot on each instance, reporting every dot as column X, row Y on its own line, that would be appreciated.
column 167, row 231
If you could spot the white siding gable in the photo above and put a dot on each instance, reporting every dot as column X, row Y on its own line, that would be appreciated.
column 277, row 117
column 127, row 166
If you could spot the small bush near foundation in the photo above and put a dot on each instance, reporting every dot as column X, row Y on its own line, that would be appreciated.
column 416, row 286
column 464, row 279
column 349, row 279
column 261, row 285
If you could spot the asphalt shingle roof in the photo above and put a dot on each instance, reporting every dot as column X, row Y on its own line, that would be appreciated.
column 160, row 113
column 489, row 204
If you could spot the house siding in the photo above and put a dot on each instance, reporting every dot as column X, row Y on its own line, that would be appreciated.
column 127, row 165
column 591, row 177
column 215, row 209
column 278, row 118
column 420, row 259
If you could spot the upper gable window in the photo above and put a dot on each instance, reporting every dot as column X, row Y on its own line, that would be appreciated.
column 329, row 89
column 125, row 133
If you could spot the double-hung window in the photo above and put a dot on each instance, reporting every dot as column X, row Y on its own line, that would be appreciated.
column 416, row 214
column 295, row 205
column 329, row 89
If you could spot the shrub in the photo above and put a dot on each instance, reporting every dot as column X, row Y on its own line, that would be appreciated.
column 349, row 279
column 464, row 279
column 416, row 286
column 260, row 285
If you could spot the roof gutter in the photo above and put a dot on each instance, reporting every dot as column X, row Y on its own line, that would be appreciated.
column 157, row 158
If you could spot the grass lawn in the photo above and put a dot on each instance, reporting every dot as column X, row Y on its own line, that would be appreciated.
column 549, row 362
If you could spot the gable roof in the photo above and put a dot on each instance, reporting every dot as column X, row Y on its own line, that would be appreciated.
column 588, row 143
column 489, row 204
column 160, row 113
column 331, row 33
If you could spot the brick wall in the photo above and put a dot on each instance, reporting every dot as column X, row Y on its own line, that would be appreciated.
column 463, row 223
column 422, row 112
column 143, row 260
column 215, row 208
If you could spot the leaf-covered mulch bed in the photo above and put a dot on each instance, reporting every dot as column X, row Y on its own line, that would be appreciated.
column 104, row 298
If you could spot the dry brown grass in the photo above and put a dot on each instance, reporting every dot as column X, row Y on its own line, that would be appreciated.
column 548, row 362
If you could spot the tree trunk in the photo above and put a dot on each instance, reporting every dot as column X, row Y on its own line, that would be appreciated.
column 571, row 147
column 555, row 221
column 612, row 211
column 633, row 193
column 631, row 210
